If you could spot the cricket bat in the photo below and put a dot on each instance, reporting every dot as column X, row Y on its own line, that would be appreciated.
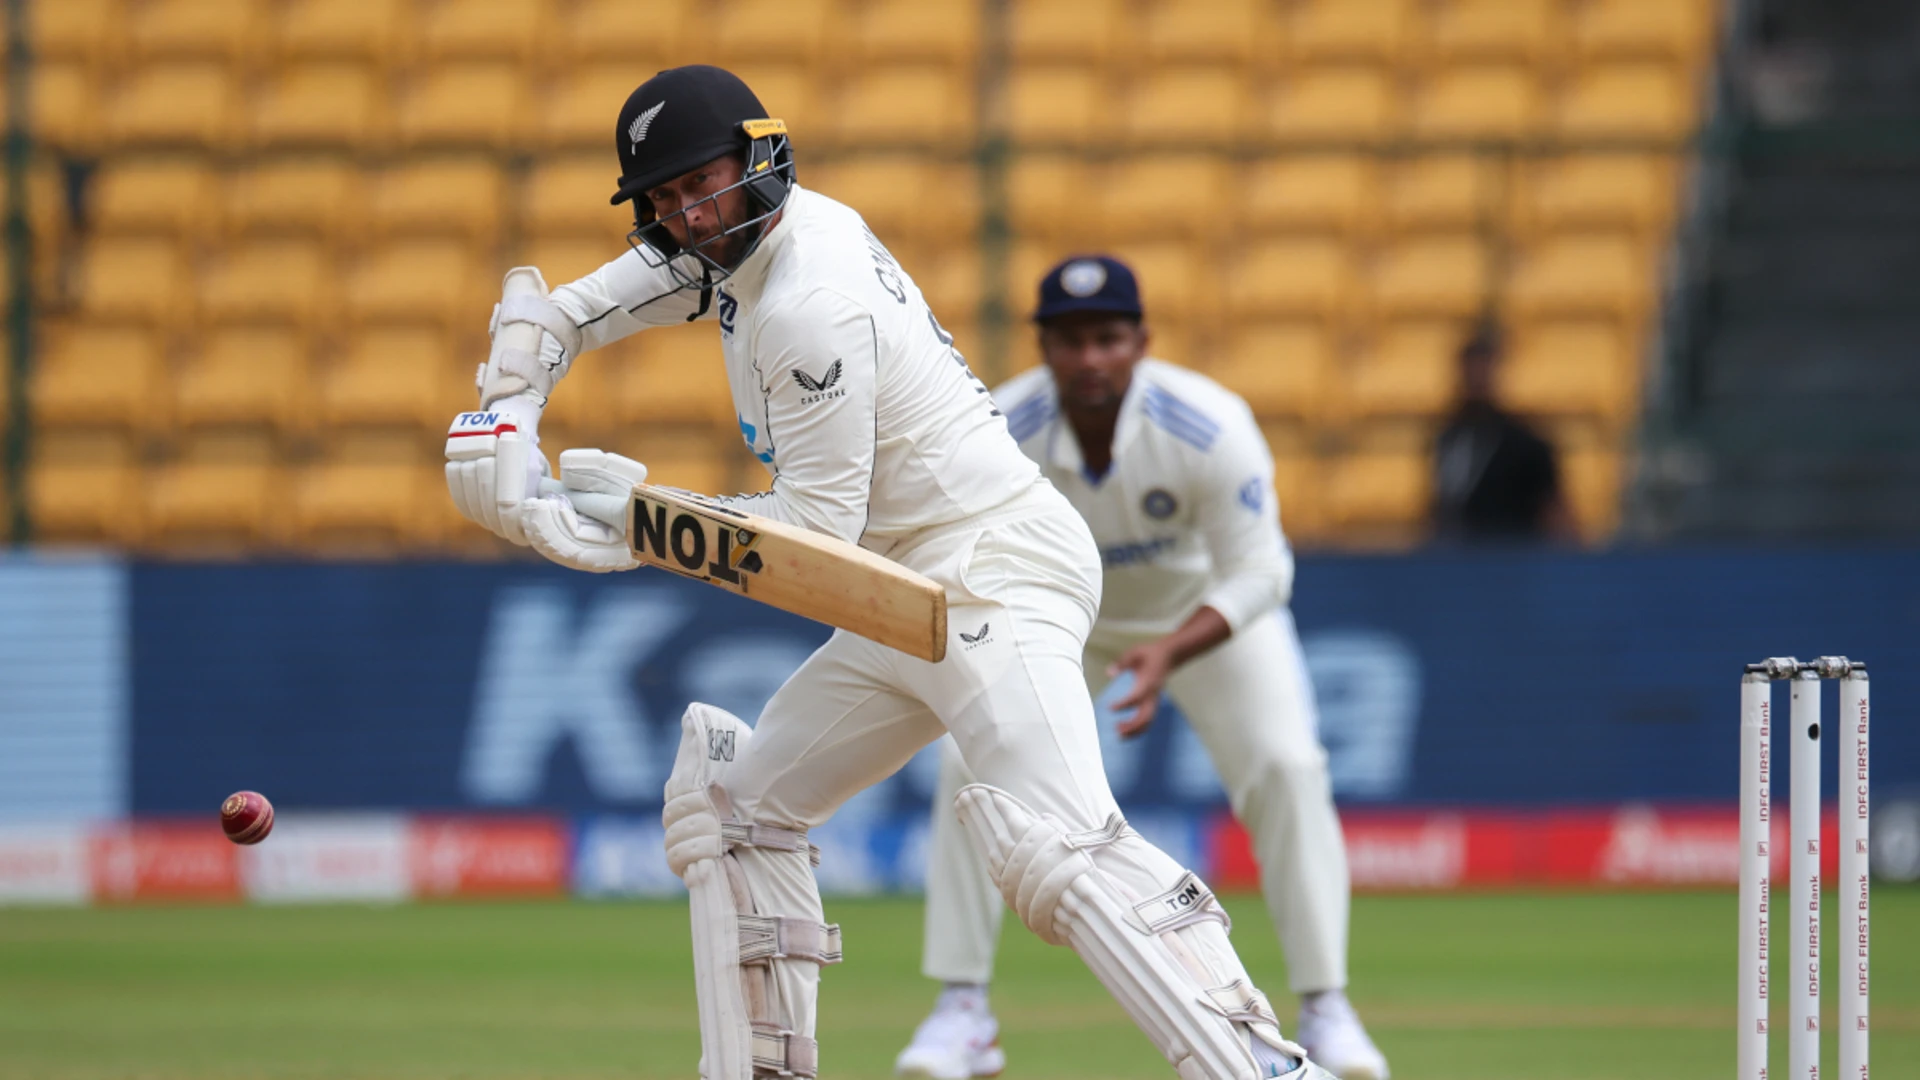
column 791, row 568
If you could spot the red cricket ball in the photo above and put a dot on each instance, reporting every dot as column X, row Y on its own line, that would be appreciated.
column 247, row 817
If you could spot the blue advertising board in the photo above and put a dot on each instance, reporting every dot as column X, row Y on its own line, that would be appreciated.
column 1443, row 679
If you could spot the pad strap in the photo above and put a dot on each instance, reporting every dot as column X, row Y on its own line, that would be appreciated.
column 1188, row 902
column 1114, row 828
column 778, row 1052
column 772, row 837
column 765, row 938
column 1239, row 1001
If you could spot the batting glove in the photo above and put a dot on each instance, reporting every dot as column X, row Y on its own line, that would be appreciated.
column 584, row 524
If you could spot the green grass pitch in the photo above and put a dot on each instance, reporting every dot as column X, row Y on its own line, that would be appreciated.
column 1549, row 986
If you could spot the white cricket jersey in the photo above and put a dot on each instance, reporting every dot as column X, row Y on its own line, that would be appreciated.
column 845, row 386
column 1185, row 515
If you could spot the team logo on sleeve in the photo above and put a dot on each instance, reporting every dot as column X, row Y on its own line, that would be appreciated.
column 1159, row 504
column 1253, row 494
column 822, row 388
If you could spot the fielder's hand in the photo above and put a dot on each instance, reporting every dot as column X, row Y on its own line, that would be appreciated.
column 492, row 469
column 583, row 524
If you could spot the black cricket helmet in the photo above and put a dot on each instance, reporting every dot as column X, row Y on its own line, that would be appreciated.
column 675, row 122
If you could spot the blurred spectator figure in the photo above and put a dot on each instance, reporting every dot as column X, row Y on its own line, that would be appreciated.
column 1496, row 480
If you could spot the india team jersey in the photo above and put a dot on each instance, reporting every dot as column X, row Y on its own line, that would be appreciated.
column 845, row 385
column 1185, row 515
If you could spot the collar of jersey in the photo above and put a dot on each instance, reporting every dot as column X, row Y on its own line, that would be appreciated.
column 745, row 283
column 1063, row 446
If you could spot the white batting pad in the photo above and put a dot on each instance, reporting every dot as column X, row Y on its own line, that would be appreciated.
column 742, row 956
column 1160, row 956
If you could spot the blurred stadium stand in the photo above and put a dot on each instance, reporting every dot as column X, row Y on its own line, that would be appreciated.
column 259, row 221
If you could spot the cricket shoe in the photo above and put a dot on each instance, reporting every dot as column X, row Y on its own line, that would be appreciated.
column 959, row 1040
column 1334, row 1037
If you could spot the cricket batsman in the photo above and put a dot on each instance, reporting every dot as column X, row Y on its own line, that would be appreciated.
column 1175, row 480
column 873, row 431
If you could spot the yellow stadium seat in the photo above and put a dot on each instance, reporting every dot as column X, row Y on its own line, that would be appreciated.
column 1591, row 477
column 561, row 260
column 1187, row 105
column 1373, row 30
column 214, row 505
column 890, row 31
column 65, row 105
column 578, row 412
column 784, row 30
column 153, row 196
column 1477, row 101
column 949, row 279
column 1307, row 193
column 1600, row 274
column 1585, row 191
column 225, row 30
column 1408, row 369
column 1518, row 30
column 1058, row 105
column 904, row 198
column 1336, row 103
column 1075, row 31
column 1164, row 195
column 187, row 103
column 1454, row 192
column 396, row 376
column 339, row 29
column 1029, row 263
column 596, row 30
column 1297, row 481
column 250, row 376
column 1282, row 369
column 692, row 467
column 1204, row 31
column 924, row 106
column 1634, row 100
column 1441, row 275
column 83, row 501
column 134, row 280
column 359, row 506
column 421, row 281
column 484, row 29
column 473, row 104
column 580, row 108
column 98, row 376
column 1176, row 282
column 328, row 104
column 1575, row 369
column 671, row 373
column 787, row 91
column 1665, row 29
column 1299, row 277
column 314, row 197
column 1377, row 490
column 441, row 196
column 72, row 29
column 1046, row 194
column 568, row 197
column 287, row 281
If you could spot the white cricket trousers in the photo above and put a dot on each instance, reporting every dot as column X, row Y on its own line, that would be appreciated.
column 1250, row 702
column 1023, row 583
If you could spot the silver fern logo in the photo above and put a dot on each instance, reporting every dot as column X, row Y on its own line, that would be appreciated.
column 637, row 131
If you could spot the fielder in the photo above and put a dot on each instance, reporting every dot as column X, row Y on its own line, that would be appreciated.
column 1175, row 480
column 874, row 431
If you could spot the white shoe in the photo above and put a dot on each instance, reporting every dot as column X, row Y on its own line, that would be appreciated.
column 1336, row 1040
column 959, row 1040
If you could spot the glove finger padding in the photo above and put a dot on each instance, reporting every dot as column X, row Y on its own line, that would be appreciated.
column 600, row 484
column 556, row 530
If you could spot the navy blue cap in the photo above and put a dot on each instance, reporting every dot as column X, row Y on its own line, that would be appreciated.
column 1089, row 283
